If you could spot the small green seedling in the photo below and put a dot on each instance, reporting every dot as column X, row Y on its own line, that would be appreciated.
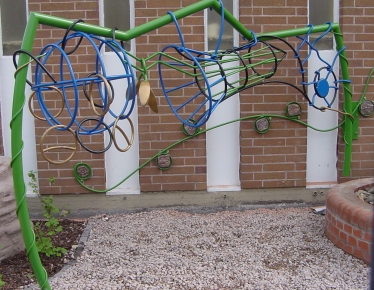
column 44, row 234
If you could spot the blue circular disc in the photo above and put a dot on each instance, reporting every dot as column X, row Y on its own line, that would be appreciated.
column 322, row 88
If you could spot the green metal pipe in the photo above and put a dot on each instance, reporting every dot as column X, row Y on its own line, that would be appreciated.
column 19, row 98
column 298, row 31
column 232, row 20
column 167, row 19
column 146, row 27
column 17, row 165
column 63, row 23
column 348, row 124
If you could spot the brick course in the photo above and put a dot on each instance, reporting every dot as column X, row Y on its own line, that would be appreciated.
column 349, row 220
column 82, row 62
column 356, row 18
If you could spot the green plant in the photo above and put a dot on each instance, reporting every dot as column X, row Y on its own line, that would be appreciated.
column 44, row 233
column 2, row 283
column 33, row 184
column 51, row 180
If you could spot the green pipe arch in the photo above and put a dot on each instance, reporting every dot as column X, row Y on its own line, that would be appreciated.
column 19, row 98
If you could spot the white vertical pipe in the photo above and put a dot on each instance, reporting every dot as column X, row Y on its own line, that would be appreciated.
column 118, row 164
column 223, row 148
column 223, row 143
column 321, row 146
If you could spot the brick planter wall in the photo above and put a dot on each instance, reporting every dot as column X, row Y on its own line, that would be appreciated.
column 349, row 220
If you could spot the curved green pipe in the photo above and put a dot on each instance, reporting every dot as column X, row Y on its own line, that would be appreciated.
column 80, row 181
column 16, row 163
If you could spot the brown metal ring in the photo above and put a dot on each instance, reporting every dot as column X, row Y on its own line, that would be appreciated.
column 129, row 142
column 58, row 113
column 42, row 150
column 106, row 108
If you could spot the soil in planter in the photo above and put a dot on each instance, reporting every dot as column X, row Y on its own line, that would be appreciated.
column 17, row 271
column 366, row 195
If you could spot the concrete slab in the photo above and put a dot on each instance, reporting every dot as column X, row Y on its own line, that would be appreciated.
column 86, row 205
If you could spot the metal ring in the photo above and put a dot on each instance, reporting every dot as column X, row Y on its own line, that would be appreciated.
column 129, row 142
column 58, row 113
column 19, row 51
column 188, row 130
column 317, row 79
column 82, row 170
column 64, row 39
column 293, row 110
column 273, row 69
column 241, row 87
column 43, row 151
column 77, row 133
column 87, row 95
column 108, row 88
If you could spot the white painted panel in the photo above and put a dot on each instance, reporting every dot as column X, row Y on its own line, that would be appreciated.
column 118, row 164
column 222, row 144
column 321, row 146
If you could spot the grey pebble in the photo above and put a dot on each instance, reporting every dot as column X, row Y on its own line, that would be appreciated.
column 249, row 249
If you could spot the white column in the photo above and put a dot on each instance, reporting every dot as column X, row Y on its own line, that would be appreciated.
column 222, row 144
column 118, row 164
column 321, row 146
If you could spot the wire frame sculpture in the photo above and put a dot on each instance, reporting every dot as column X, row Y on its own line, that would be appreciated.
column 204, row 88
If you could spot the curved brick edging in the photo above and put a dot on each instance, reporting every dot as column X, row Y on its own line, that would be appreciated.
column 349, row 220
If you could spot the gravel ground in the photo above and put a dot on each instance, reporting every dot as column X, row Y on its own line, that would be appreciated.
column 249, row 249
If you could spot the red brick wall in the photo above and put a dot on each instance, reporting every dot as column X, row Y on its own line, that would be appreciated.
column 83, row 63
column 157, row 131
column 278, row 157
column 357, row 24
column 274, row 159
column 349, row 220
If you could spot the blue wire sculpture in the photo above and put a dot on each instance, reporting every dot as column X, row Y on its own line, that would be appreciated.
column 206, row 88
column 322, row 83
column 73, row 82
column 194, row 82
column 69, row 86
